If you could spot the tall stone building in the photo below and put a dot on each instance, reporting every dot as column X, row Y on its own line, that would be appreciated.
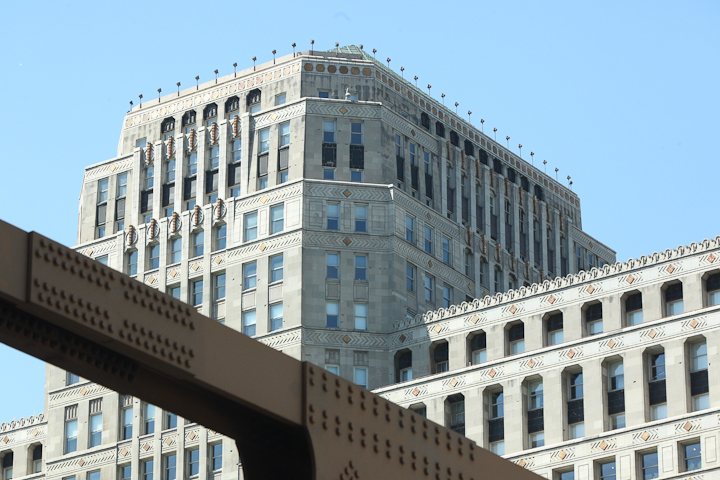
column 333, row 211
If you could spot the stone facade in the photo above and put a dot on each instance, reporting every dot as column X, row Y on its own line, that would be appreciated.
column 241, row 195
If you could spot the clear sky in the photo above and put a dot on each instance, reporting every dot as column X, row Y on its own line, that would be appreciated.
column 623, row 96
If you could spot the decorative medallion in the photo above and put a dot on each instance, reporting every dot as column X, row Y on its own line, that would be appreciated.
column 263, row 200
column 492, row 373
column 453, row 382
column 402, row 338
column 84, row 391
column 346, row 339
column 562, row 454
column 645, row 436
column 603, row 445
column 192, row 436
column 343, row 110
column 416, row 392
column 347, row 241
column 687, row 427
column 347, row 193
column 81, row 462
column 195, row 266
column 437, row 328
column 262, row 247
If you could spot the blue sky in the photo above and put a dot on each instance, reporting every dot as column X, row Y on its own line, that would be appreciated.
column 622, row 96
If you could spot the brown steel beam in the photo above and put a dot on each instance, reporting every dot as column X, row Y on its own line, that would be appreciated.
column 290, row 419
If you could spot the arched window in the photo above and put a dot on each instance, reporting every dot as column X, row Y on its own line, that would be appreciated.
column 167, row 128
column 440, row 129
column 232, row 105
column 439, row 356
column 253, row 100
column 425, row 120
column 210, row 114
column 188, row 120
column 404, row 366
column 454, row 138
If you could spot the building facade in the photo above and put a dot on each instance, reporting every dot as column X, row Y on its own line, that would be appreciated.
column 241, row 195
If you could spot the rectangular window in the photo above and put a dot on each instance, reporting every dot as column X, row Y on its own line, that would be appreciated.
column 126, row 423
column 410, row 229
column 699, row 385
column 361, row 268
column 276, row 268
column 446, row 250
column 221, row 237
column 264, row 140
column 607, row 471
column 410, row 278
column 170, row 420
column 333, row 265
column 692, row 456
column 249, row 275
column 331, row 311
column 277, row 218
column 333, row 216
column 236, row 150
column 593, row 319
column 497, row 406
column 357, row 176
column 323, row 94
column 149, row 419
column 250, row 226
column 429, row 288
column 218, row 286
column 192, row 164
column 198, row 243
column 103, row 190
column 249, row 323
column 649, row 465
column 132, row 259
column 361, row 316
column 536, row 395
column 196, row 292
column 71, row 378
column 175, row 250
column 71, row 433
column 478, row 348
column 498, row 448
column 361, row 218
column 328, row 174
column 276, row 317
column 537, row 440
column 428, row 240
column 447, row 296
column 356, row 133
column 280, row 99
column 125, row 472
column 329, row 131
column 577, row 430
column 214, row 157
column 216, row 457
column 170, row 462
column 399, row 146
column 284, row 134
column 360, row 376
column 147, row 470
column 95, row 430
column 555, row 329
column 174, row 291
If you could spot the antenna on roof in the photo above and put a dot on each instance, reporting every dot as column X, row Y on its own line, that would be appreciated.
column 293, row 45
column 159, row 90
column 235, row 69
column 429, row 87
column 545, row 166
column 388, row 62
column 482, row 125
column 216, row 74
column 140, row 100
column 197, row 78
column 507, row 139
column 361, row 46
column 556, row 170
column 402, row 72
column 443, row 98
column 531, row 158
column 416, row 77
column 274, row 52
column 456, row 105
column 469, row 113
column 374, row 52
column 178, row 85
column 312, row 45
column 495, row 132
column 337, row 47
column 254, row 59
column 131, row 105
column 520, row 147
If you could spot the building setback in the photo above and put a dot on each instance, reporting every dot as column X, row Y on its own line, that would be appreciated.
column 318, row 203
